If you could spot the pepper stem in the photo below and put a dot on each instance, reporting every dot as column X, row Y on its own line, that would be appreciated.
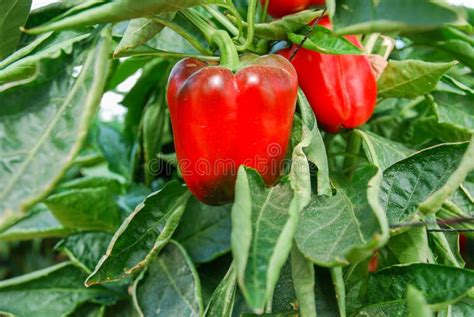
column 229, row 54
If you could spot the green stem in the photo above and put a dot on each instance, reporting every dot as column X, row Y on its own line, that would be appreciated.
column 251, row 14
column 219, row 16
column 263, row 18
column 132, row 53
column 353, row 147
column 229, row 54
column 338, row 281
column 185, row 34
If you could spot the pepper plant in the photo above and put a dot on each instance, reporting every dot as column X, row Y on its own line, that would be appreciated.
column 355, row 210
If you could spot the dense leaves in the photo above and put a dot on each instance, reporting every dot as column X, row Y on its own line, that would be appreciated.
column 360, row 223
column 61, row 284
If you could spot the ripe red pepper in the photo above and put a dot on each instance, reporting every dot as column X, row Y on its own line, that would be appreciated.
column 342, row 89
column 222, row 120
column 279, row 8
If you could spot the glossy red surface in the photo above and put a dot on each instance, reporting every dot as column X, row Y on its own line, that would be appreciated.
column 222, row 120
column 279, row 8
column 341, row 89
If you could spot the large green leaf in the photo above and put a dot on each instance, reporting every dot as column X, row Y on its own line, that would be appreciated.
column 278, row 29
column 13, row 15
column 324, row 41
column 346, row 226
column 86, row 208
column 113, row 11
column 46, row 119
column 27, row 61
column 138, row 32
column 410, row 246
column 410, row 78
column 85, row 249
column 368, row 16
column 170, row 286
column 382, row 152
column 143, row 234
column 397, row 308
column 439, row 284
column 263, row 225
column 284, row 296
column 204, row 231
column 430, row 175
column 450, row 119
column 38, row 223
column 54, row 291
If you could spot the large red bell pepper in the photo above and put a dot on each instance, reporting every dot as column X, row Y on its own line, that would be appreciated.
column 222, row 120
column 342, row 89
column 279, row 8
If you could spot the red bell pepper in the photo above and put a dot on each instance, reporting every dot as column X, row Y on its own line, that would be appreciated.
column 223, row 119
column 342, row 89
column 279, row 8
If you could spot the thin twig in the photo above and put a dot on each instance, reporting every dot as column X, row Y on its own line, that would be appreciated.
column 452, row 221
column 316, row 21
column 450, row 230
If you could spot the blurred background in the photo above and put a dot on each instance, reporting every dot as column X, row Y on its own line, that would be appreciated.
column 19, row 257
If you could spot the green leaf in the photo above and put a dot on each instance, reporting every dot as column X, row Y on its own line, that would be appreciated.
column 170, row 286
column 38, row 113
column 410, row 182
column 263, row 225
column 432, row 280
column 142, row 235
column 347, row 226
column 204, row 231
column 54, row 291
column 222, row 300
column 284, row 296
column 113, row 11
column 310, row 148
column 278, row 29
column 38, row 223
column 324, row 41
column 85, row 209
column 382, row 152
column 27, row 61
column 445, row 247
column 417, row 305
column 411, row 78
column 302, row 272
column 383, row 16
column 463, row 308
column 85, row 249
column 89, row 310
column 138, row 32
column 410, row 246
column 13, row 15
column 396, row 308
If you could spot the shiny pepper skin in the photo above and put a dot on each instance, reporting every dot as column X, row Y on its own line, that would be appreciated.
column 279, row 8
column 222, row 120
column 342, row 89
